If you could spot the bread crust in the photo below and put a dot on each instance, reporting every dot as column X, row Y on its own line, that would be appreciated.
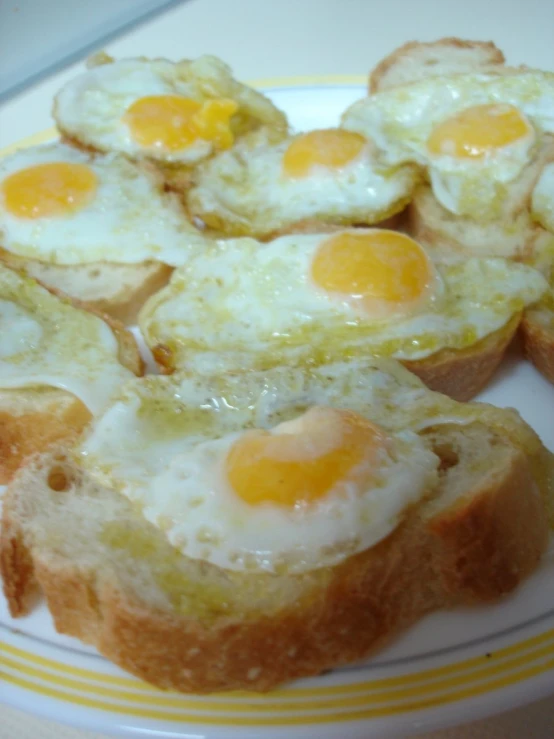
column 462, row 373
column 379, row 73
column 28, row 426
column 472, row 552
column 538, row 340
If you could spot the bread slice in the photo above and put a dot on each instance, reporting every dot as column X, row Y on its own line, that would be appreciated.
column 115, row 582
column 538, row 338
column 118, row 290
column 32, row 418
column 537, row 326
column 416, row 60
column 450, row 235
column 463, row 373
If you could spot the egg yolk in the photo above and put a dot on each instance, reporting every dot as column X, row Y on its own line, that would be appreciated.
column 477, row 131
column 300, row 461
column 173, row 122
column 49, row 190
column 332, row 148
column 375, row 265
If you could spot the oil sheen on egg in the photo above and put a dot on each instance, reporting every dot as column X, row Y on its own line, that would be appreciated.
column 542, row 203
column 327, row 175
column 173, row 112
column 48, row 343
column 310, row 299
column 474, row 134
column 308, row 492
column 62, row 206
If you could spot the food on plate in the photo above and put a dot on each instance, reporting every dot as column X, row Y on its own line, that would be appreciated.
column 417, row 60
column 515, row 237
column 482, row 137
column 307, row 299
column 173, row 113
column 538, row 321
column 542, row 200
column 100, row 228
column 305, row 182
column 59, row 366
column 269, row 526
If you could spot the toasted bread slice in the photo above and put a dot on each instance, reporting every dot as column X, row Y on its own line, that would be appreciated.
column 538, row 338
column 118, row 290
column 450, row 235
column 117, row 583
column 462, row 373
column 416, row 60
column 35, row 415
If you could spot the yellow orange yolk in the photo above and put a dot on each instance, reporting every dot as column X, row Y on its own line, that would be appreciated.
column 375, row 265
column 173, row 122
column 476, row 132
column 332, row 148
column 302, row 460
column 46, row 190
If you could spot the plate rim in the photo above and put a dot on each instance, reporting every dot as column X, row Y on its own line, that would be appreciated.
column 494, row 698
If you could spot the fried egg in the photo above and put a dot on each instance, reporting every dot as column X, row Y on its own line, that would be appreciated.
column 62, row 206
column 542, row 202
column 279, row 472
column 315, row 298
column 327, row 176
column 473, row 133
column 48, row 343
column 172, row 112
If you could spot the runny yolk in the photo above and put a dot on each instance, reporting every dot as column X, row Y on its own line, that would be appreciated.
column 173, row 122
column 332, row 148
column 372, row 265
column 302, row 460
column 477, row 131
column 49, row 190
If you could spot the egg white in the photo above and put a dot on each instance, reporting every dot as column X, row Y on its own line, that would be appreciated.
column 260, row 308
column 92, row 107
column 163, row 442
column 401, row 120
column 246, row 191
column 129, row 220
column 48, row 343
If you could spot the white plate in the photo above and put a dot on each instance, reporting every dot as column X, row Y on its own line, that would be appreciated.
column 450, row 668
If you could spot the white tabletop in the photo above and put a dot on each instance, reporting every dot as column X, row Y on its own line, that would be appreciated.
column 261, row 39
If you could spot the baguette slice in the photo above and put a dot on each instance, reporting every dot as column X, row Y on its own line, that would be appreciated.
column 113, row 580
column 118, row 290
column 416, row 60
column 462, row 373
column 538, row 338
column 32, row 418
column 450, row 235
column 537, row 326
column 116, row 583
